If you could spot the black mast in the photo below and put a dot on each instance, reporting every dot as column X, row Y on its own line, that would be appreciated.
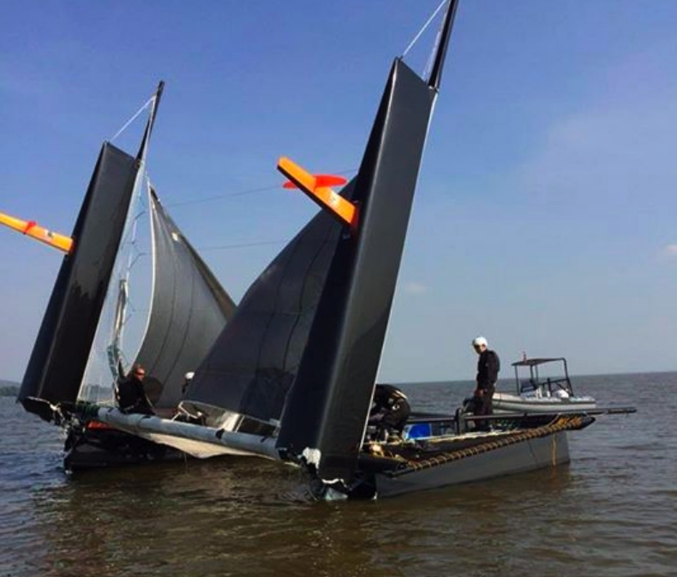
column 445, row 33
column 151, row 120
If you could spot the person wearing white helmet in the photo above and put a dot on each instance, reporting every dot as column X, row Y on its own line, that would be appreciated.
column 488, row 366
column 187, row 378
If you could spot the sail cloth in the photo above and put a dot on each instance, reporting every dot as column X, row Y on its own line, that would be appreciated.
column 61, row 350
column 254, row 361
column 328, row 404
column 189, row 309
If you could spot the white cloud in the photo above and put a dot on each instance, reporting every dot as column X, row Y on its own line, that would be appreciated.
column 415, row 288
column 670, row 250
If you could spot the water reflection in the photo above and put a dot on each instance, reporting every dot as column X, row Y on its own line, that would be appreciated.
column 240, row 517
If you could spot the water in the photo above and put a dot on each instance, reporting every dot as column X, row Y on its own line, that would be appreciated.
column 611, row 512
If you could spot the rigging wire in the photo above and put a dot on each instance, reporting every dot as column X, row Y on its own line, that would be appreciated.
column 228, row 246
column 245, row 244
column 133, row 118
column 221, row 196
column 242, row 192
column 425, row 26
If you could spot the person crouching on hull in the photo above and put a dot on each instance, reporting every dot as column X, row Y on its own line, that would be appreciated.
column 389, row 412
column 130, row 394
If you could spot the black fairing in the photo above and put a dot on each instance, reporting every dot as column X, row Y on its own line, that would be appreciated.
column 61, row 350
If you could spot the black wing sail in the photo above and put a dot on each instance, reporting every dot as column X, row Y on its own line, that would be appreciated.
column 189, row 309
column 62, row 348
column 327, row 408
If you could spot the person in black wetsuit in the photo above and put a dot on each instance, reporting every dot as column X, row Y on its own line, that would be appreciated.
column 390, row 410
column 488, row 366
column 187, row 380
column 130, row 394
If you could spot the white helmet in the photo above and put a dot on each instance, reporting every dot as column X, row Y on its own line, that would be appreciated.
column 479, row 341
column 189, row 376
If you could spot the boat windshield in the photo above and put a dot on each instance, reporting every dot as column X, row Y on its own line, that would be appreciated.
column 543, row 376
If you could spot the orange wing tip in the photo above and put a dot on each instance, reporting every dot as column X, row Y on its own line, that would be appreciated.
column 32, row 229
column 317, row 188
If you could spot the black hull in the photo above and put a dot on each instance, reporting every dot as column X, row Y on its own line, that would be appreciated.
column 529, row 455
column 390, row 469
column 98, row 448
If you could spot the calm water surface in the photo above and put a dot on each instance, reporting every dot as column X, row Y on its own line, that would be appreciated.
column 611, row 512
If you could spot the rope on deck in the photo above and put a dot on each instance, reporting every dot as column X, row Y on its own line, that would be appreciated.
column 562, row 423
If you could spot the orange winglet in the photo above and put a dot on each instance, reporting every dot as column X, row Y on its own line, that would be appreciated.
column 322, row 180
column 32, row 229
column 317, row 189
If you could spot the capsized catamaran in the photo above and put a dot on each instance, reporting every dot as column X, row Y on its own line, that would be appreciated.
column 188, row 310
column 266, row 386
column 292, row 376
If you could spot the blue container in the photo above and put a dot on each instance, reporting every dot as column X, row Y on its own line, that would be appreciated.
column 418, row 431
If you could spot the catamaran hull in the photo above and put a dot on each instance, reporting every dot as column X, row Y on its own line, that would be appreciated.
column 529, row 455
column 102, row 448
column 198, row 441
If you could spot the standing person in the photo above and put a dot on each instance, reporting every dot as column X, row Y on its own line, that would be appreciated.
column 130, row 393
column 488, row 366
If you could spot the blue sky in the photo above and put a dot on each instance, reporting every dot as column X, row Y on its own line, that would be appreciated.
column 545, row 211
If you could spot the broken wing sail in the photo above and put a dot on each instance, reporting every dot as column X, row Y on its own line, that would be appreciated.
column 250, row 370
column 327, row 408
column 62, row 349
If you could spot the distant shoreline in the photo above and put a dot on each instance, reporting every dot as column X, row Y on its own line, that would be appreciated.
column 8, row 389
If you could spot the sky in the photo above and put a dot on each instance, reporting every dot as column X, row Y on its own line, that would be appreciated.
column 545, row 212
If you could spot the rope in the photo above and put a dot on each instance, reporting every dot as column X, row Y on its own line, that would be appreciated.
column 243, row 192
column 243, row 245
column 425, row 26
column 220, row 196
column 133, row 118
column 560, row 424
